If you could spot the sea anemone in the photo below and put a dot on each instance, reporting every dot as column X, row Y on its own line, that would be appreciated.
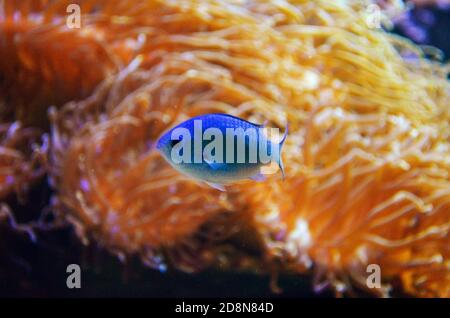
column 20, row 159
column 367, row 158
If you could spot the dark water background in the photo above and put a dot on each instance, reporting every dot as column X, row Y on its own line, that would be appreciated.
column 39, row 270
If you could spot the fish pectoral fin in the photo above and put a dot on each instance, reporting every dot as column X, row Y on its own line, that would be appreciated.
column 216, row 186
column 258, row 177
column 213, row 165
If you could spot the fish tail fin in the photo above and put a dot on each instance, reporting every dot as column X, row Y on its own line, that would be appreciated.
column 280, row 164
column 280, row 160
column 285, row 135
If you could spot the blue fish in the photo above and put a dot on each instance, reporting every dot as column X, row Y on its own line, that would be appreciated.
column 220, row 149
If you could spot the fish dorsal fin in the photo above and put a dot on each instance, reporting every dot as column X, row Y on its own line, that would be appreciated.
column 244, row 120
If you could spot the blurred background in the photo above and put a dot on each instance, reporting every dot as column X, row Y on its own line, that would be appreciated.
column 39, row 269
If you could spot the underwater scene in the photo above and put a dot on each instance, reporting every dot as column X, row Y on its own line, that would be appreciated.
column 224, row 148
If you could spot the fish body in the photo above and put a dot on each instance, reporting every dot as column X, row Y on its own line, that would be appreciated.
column 219, row 149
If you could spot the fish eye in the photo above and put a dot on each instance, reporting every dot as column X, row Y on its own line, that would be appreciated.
column 174, row 142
